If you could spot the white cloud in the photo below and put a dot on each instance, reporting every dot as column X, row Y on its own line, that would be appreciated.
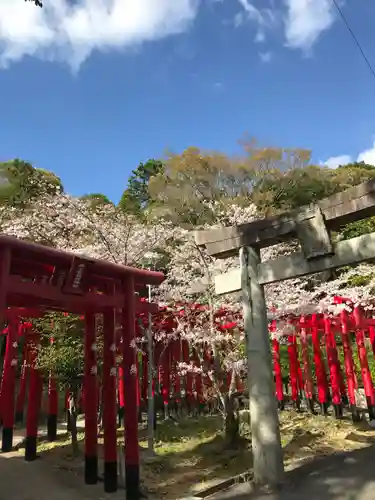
column 218, row 86
column 335, row 161
column 251, row 10
column 265, row 17
column 72, row 31
column 306, row 20
column 260, row 37
column 368, row 156
column 265, row 57
column 239, row 19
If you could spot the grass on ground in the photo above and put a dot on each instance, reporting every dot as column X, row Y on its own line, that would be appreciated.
column 191, row 455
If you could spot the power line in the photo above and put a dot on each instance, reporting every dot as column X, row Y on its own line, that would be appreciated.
column 353, row 35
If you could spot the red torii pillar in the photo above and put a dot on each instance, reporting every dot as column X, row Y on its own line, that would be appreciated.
column 129, row 365
column 109, row 403
column 21, row 397
column 109, row 397
column 141, row 307
column 52, row 407
column 8, row 385
column 13, row 315
column 34, row 403
column 91, row 401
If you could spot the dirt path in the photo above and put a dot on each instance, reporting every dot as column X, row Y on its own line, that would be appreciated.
column 346, row 476
column 38, row 480
column 191, row 459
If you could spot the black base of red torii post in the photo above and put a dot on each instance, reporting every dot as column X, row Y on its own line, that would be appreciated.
column 61, row 281
column 129, row 353
column 8, row 385
column 16, row 332
column 11, row 412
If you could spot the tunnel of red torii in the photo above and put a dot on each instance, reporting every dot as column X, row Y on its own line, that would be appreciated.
column 170, row 383
column 340, row 384
column 41, row 279
column 338, row 387
column 31, row 283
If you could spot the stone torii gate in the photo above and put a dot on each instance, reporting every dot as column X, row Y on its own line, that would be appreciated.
column 311, row 225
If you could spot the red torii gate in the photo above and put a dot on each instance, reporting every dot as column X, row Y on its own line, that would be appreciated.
column 40, row 277
column 13, row 316
column 16, row 316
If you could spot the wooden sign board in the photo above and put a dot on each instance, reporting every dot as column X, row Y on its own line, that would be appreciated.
column 75, row 280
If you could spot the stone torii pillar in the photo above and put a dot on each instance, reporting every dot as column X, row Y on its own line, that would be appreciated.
column 311, row 225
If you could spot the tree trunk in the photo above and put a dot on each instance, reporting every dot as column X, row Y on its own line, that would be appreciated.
column 231, row 422
column 72, row 409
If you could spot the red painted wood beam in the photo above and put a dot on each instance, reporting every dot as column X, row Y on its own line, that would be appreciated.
column 52, row 256
column 49, row 296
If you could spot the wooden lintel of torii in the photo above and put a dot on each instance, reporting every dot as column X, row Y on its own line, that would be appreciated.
column 345, row 253
column 351, row 205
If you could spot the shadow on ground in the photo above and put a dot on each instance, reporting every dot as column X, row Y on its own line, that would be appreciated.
column 22, row 480
column 344, row 476
column 192, row 456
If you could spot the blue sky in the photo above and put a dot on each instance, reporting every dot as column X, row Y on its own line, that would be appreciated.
column 89, row 88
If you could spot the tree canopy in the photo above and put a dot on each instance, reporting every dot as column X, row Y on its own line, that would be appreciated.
column 21, row 183
column 97, row 199
column 188, row 190
column 136, row 196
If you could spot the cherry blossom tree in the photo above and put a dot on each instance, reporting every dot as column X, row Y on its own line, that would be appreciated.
column 100, row 231
column 95, row 230
column 215, row 325
column 106, row 232
column 191, row 276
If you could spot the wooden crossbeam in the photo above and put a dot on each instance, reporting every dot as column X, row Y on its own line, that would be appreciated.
column 34, row 254
column 346, row 253
column 51, row 296
column 351, row 205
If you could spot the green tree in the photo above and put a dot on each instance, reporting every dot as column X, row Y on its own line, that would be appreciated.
column 351, row 175
column 280, row 191
column 194, row 180
column 136, row 197
column 97, row 199
column 20, row 183
column 64, row 357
